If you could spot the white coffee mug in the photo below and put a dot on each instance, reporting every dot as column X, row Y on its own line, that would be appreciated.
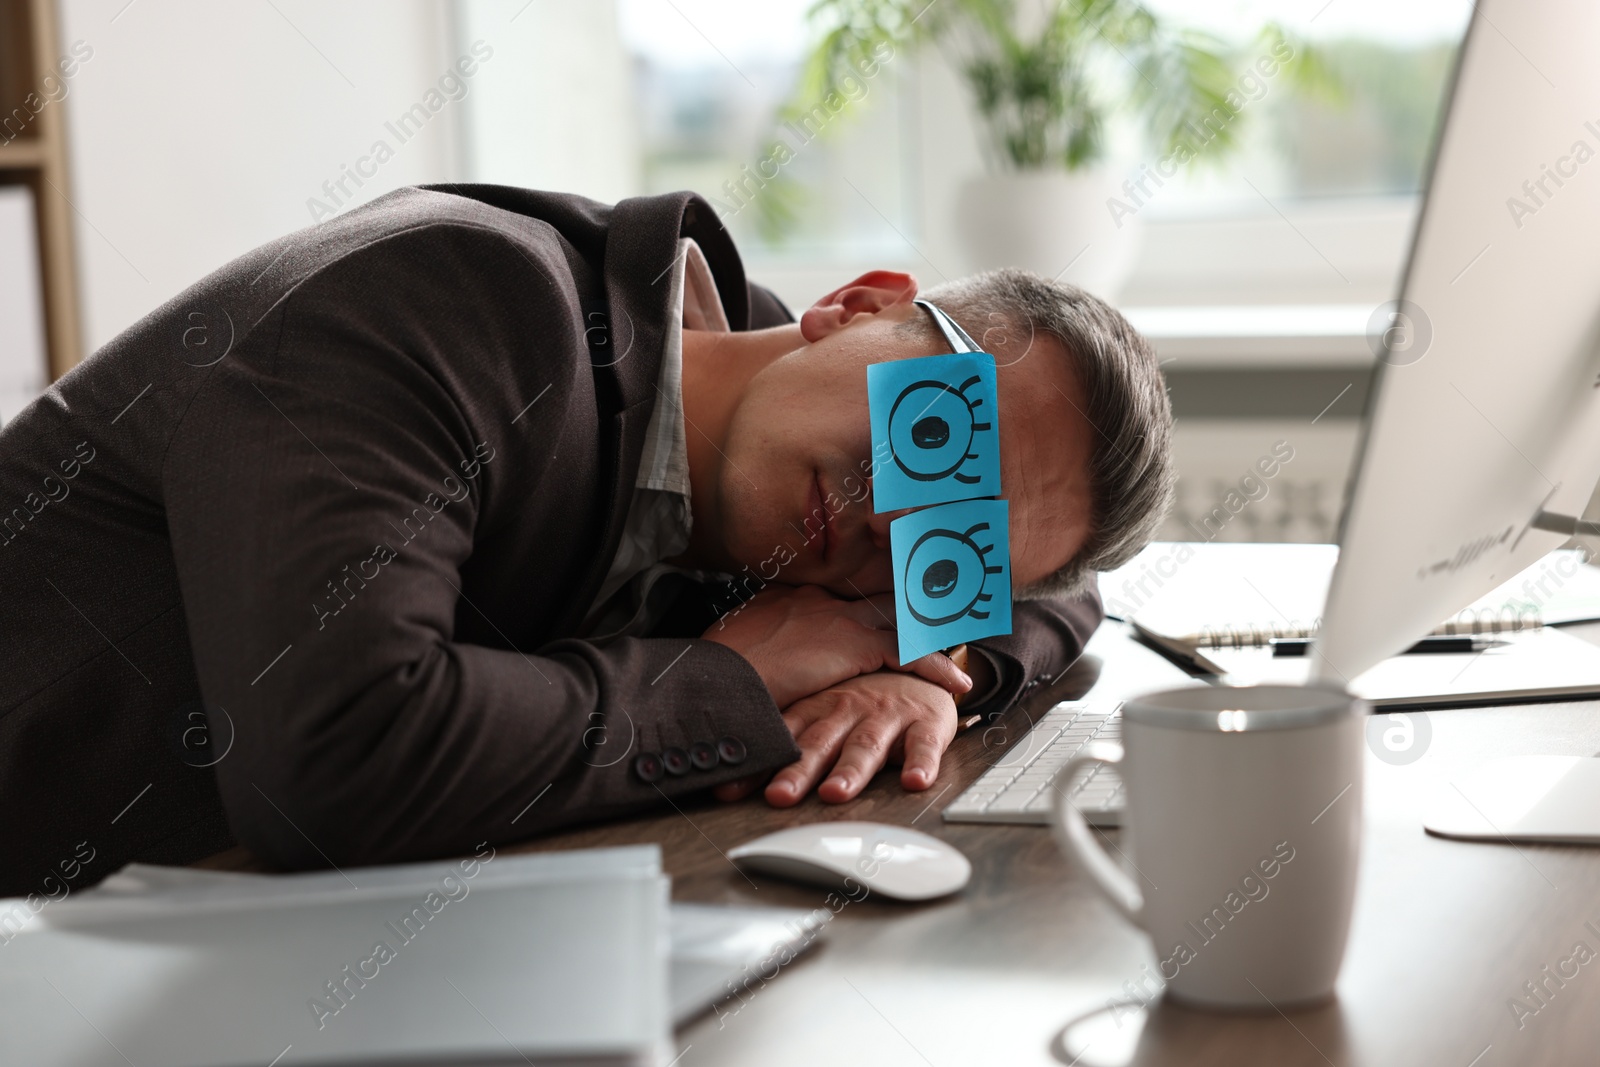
column 1242, row 831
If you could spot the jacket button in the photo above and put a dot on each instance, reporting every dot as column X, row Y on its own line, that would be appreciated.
column 703, row 754
column 732, row 750
column 647, row 765
column 676, row 761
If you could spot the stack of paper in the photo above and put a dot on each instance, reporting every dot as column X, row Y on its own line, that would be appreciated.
column 557, row 958
column 558, row 955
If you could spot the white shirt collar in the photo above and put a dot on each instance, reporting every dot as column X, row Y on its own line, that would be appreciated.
column 693, row 304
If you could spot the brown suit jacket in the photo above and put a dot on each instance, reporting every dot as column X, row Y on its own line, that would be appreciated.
column 354, row 492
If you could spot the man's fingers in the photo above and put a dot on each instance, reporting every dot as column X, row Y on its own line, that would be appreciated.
column 800, row 715
column 862, row 756
column 936, row 667
column 924, row 745
column 819, row 744
column 875, row 612
column 883, row 603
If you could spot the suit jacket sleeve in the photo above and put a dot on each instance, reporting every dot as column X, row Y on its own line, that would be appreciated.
column 365, row 729
column 1046, row 637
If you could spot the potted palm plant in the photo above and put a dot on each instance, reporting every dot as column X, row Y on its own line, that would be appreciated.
column 1045, row 77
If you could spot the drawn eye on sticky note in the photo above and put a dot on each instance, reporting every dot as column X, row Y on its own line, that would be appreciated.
column 935, row 430
column 952, row 575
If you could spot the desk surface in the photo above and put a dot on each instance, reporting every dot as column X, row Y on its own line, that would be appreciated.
column 1445, row 933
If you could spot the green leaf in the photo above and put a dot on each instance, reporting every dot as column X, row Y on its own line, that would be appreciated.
column 1045, row 87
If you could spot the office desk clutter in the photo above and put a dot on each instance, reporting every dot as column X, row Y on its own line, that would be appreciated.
column 557, row 958
column 1192, row 614
column 493, row 958
column 1199, row 593
column 1251, row 614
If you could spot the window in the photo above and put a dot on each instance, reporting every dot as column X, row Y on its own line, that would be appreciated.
column 710, row 75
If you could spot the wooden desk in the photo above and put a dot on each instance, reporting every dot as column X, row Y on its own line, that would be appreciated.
column 1445, row 933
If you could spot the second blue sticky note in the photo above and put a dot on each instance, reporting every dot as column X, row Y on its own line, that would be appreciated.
column 952, row 575
column 935, row 430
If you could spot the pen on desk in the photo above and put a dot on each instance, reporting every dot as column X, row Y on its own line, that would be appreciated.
column 1176, row 650
column 1300, row 646
column 961, row 658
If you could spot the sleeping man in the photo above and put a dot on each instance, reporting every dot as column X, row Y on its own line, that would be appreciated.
column 479, row 511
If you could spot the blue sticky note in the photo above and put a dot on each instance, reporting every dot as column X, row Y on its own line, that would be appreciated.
column 952, row 575
column 935, row 430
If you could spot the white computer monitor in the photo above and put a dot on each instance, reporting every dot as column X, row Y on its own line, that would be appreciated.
column 1483, row 428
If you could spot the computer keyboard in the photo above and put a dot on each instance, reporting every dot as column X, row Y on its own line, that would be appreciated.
column 1017, row 788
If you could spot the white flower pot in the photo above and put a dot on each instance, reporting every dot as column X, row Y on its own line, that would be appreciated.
column 1056, row 223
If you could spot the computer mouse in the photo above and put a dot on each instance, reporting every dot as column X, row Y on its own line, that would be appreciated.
column 896, row 861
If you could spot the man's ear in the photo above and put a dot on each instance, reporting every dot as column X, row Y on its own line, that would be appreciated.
column 869, row 294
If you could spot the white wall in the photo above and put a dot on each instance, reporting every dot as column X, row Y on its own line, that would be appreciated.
column 199, row 130
column 555, row 110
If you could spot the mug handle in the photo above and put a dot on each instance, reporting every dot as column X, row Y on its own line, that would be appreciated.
column 1072, row 833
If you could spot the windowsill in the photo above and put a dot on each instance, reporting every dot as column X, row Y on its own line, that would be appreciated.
column 1242, row 336
column 1227, row 290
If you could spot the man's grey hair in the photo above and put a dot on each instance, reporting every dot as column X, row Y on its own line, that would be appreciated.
column 1131, row 473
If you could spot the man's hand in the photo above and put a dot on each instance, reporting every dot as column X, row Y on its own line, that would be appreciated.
column 802, row 641
column 852, row 730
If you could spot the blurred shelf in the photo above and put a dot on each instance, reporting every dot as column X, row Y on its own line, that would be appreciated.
column 37, row 157
column 21, row 154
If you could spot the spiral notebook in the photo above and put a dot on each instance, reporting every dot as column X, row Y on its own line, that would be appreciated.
column 1227, row 602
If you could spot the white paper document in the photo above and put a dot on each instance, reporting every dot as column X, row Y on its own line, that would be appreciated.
column 555, row 958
